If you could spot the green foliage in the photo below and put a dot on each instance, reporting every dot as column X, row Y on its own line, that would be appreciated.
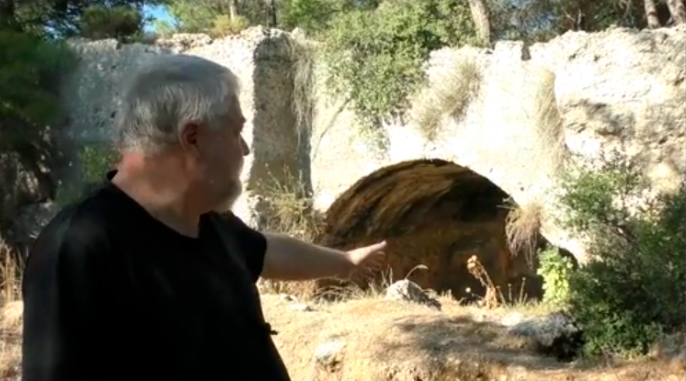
column 545, row 19
column 164, row 28
column 64, row 17
column 374, row 57
column 95, row 161
column 633, row 288
column 29, row 100
column 122, row 23
column 556, row 271
column 223, row 25
column 194, row 18
column 315, row 16
column 213, row 16
column 310, row 15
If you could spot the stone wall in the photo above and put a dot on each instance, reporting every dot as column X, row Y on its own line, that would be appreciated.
column 618, row 89
column 262, row 60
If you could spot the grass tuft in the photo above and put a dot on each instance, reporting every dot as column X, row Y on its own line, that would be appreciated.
column 290, row 211
column 448, row 96
column 550, row 131
column 522, row 228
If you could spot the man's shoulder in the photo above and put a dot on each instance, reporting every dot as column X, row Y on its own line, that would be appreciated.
column 85, row 221
column 76, row 242
column 227, row 219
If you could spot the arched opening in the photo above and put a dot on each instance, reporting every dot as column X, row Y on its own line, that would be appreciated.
column 437, row 214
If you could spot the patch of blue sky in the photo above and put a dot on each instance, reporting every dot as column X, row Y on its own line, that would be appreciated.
column 157, row 12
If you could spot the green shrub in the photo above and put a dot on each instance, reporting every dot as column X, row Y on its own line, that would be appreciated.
column 223, row 25
column 375, row 57
column 121, row 22
column 310, row 15
column 633, row 288
column 29, row 88
column 556, row 271
column 95, row 161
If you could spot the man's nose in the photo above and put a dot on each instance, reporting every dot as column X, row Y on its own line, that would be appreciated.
column 244, row 145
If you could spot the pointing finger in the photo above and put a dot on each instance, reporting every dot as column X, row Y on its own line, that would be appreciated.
column 377, row 246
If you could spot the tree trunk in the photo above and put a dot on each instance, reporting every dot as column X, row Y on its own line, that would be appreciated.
column 481, row 20
column 678, row 11
column 233, row 9
column 271, row 13
column 651, row 14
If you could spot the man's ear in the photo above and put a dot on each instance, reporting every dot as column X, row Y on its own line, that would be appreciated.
column 188, row 137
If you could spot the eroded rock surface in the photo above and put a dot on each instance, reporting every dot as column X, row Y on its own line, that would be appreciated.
column 408, row 291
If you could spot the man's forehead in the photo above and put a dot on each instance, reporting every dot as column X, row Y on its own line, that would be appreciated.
column 236, row 108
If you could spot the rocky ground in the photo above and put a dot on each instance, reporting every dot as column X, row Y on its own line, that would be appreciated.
column 405, row 334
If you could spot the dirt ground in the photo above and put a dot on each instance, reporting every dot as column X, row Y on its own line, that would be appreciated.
column 395, row 341
column 374, row 339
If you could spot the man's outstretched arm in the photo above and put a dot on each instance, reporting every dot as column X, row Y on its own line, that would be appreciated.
column 288, row 258
column 69, row 306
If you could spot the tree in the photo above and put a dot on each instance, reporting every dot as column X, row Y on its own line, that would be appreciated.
column 481, row 19
column 120, row 22
column 60, row 17
column 677, row 8
column 196, row 16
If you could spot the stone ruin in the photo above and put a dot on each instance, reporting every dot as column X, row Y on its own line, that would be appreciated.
column 438, row 200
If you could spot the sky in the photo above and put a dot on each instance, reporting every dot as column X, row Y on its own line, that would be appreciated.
column 157, row 12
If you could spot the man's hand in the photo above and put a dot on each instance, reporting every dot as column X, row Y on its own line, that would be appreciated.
column 291, row 259
column 368, row 256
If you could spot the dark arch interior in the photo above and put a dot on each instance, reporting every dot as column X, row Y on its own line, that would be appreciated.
column 433, row 213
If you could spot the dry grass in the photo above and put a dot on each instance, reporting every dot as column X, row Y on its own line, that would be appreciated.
column 10, row 314
column 494, row 296
column 550, row 131
column 10, row 274
column 522, row 228
column 290, row 207
column 447, row 96
column 290, row 211
column 386, row 340
column 302, row 54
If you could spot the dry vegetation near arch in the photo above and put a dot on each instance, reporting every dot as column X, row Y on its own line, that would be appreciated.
column 449, row 95
column 302, row 54
column 522, row 228
column 548, row 122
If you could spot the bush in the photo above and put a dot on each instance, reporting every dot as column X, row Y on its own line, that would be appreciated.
column 95, row 161
column 223, row 25
column 633, row 288
column 375, row 57
column 121, row 22
column 29, row 99
column 556, row 271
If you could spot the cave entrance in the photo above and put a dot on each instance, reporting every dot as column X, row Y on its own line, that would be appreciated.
column 437, row 214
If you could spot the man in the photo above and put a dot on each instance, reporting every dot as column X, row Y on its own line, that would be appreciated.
column 140, row 279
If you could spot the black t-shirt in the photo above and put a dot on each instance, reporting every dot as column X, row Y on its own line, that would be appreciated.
column 110, row 293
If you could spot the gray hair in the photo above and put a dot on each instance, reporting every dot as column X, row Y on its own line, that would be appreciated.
column 169, row 92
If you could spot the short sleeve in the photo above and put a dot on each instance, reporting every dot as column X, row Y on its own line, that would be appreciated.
column 252, row 243
column 69, row 305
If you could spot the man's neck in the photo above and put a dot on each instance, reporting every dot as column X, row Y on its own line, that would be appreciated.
column 159, row 194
